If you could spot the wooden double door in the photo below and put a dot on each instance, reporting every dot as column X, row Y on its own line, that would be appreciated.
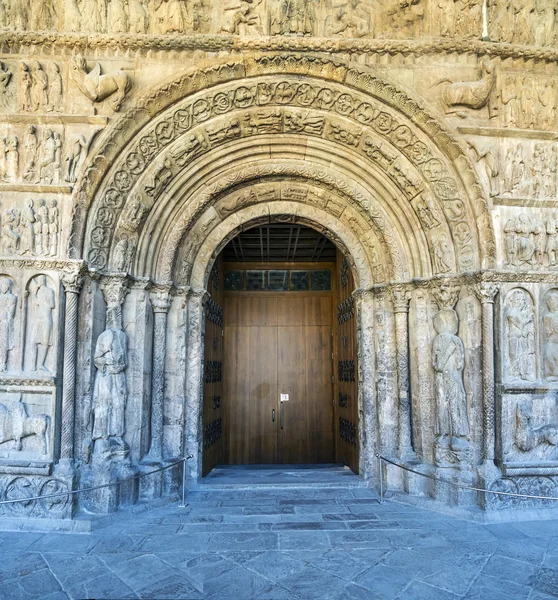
column 278, row 378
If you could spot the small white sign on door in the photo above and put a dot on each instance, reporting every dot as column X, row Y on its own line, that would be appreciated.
column 284, row 397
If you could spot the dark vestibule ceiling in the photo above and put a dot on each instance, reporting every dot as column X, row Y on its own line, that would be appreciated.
column 281, row 242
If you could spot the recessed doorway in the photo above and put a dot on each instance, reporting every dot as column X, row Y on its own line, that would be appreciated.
column 280, row 369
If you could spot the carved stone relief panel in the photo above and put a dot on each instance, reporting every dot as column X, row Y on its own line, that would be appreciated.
column 15, row 487
column 528, row 169
column 520, row 22
column 32, row 225
column 528, row 238
column 9, row 324
column 41, row 340
column 529, row 430
column 528, row 101
column 519, row 354
column 26, row 424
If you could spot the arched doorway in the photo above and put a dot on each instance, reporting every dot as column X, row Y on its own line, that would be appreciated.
column 280, row 383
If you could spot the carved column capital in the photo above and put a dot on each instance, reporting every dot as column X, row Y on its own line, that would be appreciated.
column 446, row 295
column 160, row 298
column 363, row 295
column 199, row 295
column 400, row 298
column 72, row 282
column 115, row 288
column 486, row 291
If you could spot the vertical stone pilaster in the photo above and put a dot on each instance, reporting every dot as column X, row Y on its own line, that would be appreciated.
column 72, row 283
column 486, row 293
column 401, row 299
column 368, row 419
column 196, row 300
column 160, row 302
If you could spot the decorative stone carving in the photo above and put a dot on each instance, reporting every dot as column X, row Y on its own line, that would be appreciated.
column 75, row 155
column 16, row 424
column 5, row 78
column 55, row 89
column 471, row 94
column 448, row 361
column 11, row 158
column 31, row 155
column 351, row 19
column 530, row 242
column 293, row 17
column 8, row 305
column 486, row 156
column 519, row 336
column 49, row 167
column 96, row 87
column 527, row 436
column 42, row 299
column 528, row 102
column 550, row 328
column 243, row 18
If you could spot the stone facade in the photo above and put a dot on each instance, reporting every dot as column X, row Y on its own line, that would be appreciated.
column 138, row 137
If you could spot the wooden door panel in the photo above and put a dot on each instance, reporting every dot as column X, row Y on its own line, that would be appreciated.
column 263, row 395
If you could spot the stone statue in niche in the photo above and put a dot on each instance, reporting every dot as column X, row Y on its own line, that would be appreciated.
column 96, row 87
column 43, row 299
column 110, row 393
column 550, row 325
column 244, row 18
column 448, row 360
column 30, row 155
column 442, row 254
column 528, row 437
column 293, row 17
column 138, row 16
column 520, row 333
column 470, row 94
column 75, row 155
column 8, row 304
column 351, row 19
column 16, row 424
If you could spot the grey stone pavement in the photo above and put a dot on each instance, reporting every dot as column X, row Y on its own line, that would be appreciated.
column 279, row 544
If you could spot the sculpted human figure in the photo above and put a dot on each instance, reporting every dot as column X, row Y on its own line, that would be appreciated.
column 550, row 324
column 48, row 156
column 117, row 16
column 551, row 242
column 12, row 158
column 525, row 240
column 8, row 303
column 521, row 336
column 53, row 227
column 43, row 15
column 55, row 88
column 26, row 84
column 244, row 20
column 27, row 243
column 41, row 333
column 43, row 221
column 30, row 151
column 170, row 16
column 448, row 360
column 39, row 86
column 10, row 231
column 72, row 16
column 110, row 393
column 293, row 17
column 442, row 254
column 138, row 16
column 351, row 19
column 75, row 154
column 510, row 241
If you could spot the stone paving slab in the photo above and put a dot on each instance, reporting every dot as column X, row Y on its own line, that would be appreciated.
column 242, row 545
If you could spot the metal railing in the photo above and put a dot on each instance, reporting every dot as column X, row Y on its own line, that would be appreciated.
column 182, row 462
column 453, row 483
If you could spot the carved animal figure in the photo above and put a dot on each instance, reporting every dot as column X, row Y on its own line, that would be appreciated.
column 111, row 87
column 528, row 437
column 470, row 94
column 16, row 424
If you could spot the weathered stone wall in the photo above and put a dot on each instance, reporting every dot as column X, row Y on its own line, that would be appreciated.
column 137, row 137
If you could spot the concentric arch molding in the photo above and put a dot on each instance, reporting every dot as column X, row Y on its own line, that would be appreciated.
column 152, row 109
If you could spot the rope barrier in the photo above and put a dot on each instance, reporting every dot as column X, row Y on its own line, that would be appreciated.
column 458, row 485
column 182, row 462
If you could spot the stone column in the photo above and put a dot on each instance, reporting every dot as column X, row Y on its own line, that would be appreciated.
column 160, row 301
column 486, row 293
column 401, row 298
column 368, row 420
column 72, row 283
column 194, row 381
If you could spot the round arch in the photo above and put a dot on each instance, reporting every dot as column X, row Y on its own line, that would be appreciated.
column 345, row 129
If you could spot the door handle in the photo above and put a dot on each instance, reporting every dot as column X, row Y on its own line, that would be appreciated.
column 273, row 415
column 281, row 416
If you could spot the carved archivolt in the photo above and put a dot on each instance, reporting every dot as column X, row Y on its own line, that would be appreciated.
column 412, row 151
